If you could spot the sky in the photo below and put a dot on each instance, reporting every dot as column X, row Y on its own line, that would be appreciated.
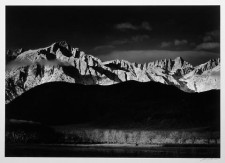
column 135, row 33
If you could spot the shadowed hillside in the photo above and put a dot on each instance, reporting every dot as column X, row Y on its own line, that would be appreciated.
column 129, row 104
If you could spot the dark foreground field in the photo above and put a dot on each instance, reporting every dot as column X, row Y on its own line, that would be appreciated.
column 27, row 139
column 201, row 151
column 124, row 117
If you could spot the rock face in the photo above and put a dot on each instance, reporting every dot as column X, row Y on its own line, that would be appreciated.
column 12, row 54
column 204, row 77
column 61, row 62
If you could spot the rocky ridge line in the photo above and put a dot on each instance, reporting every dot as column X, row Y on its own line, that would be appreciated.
column 61, row 62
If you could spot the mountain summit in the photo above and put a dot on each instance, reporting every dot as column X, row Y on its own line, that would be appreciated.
column 61, row 62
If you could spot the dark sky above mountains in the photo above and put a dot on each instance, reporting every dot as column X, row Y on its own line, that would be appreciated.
column 134, row 33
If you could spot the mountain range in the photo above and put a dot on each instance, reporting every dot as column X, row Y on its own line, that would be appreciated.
column 60, row 62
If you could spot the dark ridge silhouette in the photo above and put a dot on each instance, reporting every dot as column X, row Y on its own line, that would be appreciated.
column 151, row 105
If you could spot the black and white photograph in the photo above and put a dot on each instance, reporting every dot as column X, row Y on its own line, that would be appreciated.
column 112, row 81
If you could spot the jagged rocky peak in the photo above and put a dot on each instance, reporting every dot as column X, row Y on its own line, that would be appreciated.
column 61, row 62
column 169, row 62
column 61, row 46
column 12, row 54
column 177, row 66
column 207, row 66
column 60, row 51
column 64, row 44
column 164, row 64
column 66, row 50
column 118, row 64
column 179, row 60
column 210, row 64
column 182, row 67
column 76, row 52
column 138, row 65
column 204, row 77
column 213, row 63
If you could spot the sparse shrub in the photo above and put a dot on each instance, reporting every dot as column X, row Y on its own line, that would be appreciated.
column 106, row 136
column 126, row 138
column 175, row 135
column 184, row 137
column 120, row 137
column 144, row 138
